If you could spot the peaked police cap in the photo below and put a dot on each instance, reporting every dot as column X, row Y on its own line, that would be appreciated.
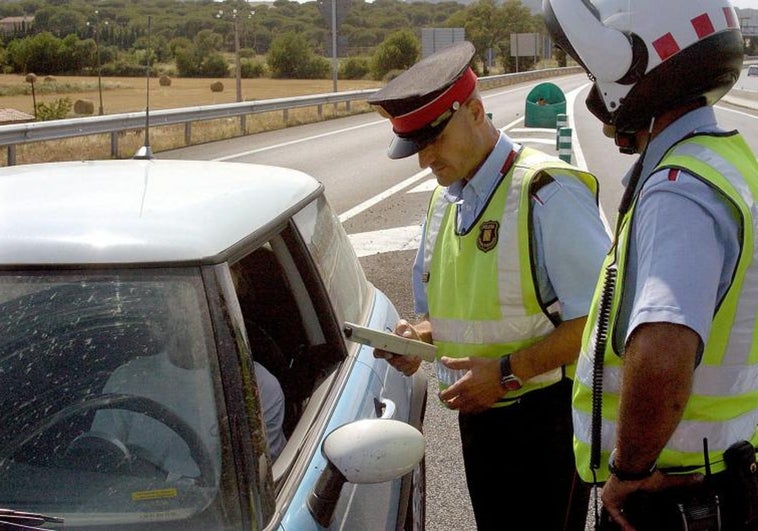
column 420, row 101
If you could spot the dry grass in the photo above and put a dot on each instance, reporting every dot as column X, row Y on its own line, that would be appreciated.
column 128, row 95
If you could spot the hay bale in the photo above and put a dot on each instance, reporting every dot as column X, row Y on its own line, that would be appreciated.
column 164, row 81
column 217, row 86
column 84, row 107
column 49, row 79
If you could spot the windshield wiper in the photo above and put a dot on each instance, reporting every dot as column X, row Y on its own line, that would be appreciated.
column 11, row 520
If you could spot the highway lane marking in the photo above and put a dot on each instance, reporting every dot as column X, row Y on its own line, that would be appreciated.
column 735, row 111
column 384, row 195
column 386, row 240
column 298, row 141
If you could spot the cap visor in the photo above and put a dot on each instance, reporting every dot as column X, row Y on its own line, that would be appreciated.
column 401, row 148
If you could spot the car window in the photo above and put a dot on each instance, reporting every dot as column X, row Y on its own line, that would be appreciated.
column 111, row 398
column 289, row 320
column 336, row 260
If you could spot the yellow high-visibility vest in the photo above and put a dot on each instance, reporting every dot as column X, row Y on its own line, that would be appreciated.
column 483, row 300
column 723, row 406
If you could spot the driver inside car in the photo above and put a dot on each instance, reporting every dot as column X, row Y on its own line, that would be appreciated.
column 177, row 378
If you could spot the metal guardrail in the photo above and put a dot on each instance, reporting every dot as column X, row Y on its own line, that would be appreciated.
column 113, row 124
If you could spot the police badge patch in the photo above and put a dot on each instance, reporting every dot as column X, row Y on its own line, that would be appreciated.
column 488, row 233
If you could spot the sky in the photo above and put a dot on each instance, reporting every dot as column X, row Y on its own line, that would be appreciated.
column 745, row 4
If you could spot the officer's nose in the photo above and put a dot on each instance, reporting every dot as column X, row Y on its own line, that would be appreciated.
column 426, row 156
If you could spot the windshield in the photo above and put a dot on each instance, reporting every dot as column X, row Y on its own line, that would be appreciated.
column 109, row 411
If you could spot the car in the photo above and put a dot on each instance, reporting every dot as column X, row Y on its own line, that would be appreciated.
column 752, row 70
column 128, row 355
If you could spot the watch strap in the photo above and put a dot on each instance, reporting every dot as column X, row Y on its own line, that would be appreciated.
column 625, row 475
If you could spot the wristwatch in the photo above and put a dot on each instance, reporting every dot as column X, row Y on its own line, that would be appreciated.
column 623, row 475
column 508, row 380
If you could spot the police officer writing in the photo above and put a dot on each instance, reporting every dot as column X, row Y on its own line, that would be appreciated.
column 666, row 395
column 512, row 246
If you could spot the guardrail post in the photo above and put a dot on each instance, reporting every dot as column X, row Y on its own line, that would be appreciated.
column 187, row 133
column 243, row 124
column 285, row 116
column 114, row 145
column 564, row 144
column 320, row 108
column 11, row 154
column 561, row 120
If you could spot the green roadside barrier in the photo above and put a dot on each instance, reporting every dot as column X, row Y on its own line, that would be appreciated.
column 543, row 104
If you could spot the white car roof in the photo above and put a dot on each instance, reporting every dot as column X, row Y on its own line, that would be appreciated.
column 140, row 211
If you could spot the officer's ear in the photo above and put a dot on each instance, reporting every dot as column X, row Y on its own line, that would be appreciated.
column 476, row 108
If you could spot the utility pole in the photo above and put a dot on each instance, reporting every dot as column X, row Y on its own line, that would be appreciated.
column 237, row 65
column 237, row 62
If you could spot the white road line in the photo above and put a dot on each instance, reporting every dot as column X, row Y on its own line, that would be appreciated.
column 386, row 240
column 546, row 141
column 298, row 141
column 576, row 147
column 427, row 186
column 384, row 195
column 722, row 108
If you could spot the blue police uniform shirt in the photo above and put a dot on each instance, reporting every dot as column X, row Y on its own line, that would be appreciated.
column 567, row 263
column 684, row 244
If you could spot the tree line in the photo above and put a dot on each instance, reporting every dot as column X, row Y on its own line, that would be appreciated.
column 280, row 39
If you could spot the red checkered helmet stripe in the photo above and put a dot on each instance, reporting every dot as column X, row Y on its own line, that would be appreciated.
column 666, row 45
column 426, row 114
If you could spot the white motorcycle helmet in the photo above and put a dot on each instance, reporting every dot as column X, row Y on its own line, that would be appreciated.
column 647, row 56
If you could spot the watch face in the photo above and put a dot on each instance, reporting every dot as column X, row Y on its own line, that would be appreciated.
column 510, row 383
column 508, row 380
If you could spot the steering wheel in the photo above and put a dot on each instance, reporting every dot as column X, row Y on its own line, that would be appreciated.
column 136, row 404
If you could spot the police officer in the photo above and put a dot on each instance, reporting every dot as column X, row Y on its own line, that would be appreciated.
column 666, row 395
column 512, row 245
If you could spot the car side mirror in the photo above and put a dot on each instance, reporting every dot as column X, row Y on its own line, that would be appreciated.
column 364, row 451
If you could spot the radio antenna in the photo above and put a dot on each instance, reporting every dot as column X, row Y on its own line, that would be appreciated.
column 145, row 152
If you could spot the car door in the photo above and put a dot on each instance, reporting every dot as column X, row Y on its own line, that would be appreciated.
column 303, row 282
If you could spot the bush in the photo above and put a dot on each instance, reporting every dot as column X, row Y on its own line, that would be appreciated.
column 398, row 52
column 354, row 68
column 164, row 81
column 252, row 68
column 54, row 111
column 217, row 86
column 215, row 66
column 290, row 56
column 317, row 68
column 123, row 69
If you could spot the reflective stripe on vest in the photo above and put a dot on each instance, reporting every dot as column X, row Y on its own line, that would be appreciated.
column 723, row 406
column 482, row 296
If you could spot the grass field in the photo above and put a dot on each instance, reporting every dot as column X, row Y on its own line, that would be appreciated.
column 122, row 95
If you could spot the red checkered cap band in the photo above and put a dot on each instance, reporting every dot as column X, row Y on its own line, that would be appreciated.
column 424, row 115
